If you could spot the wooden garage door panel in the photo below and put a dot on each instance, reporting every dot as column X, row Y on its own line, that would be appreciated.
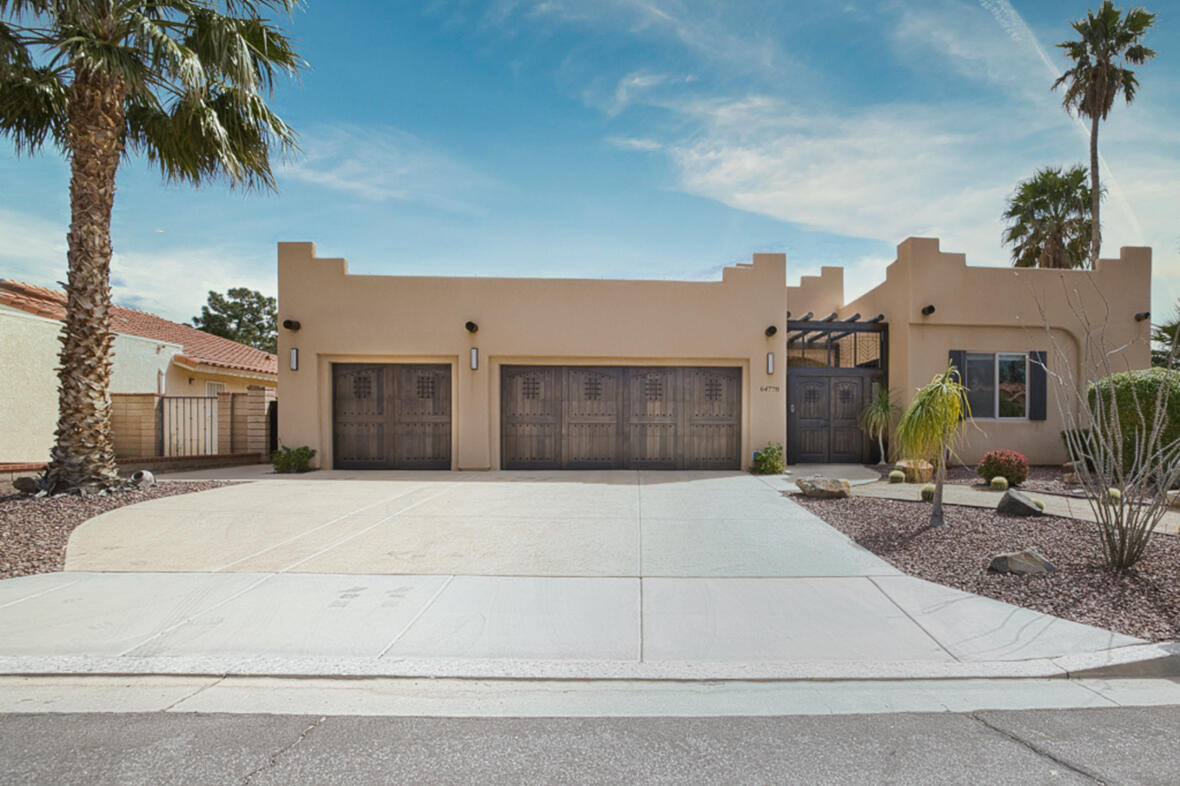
column 388, row 416
column 620, row 417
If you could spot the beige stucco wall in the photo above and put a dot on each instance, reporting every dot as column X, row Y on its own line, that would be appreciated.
column 182, row 381
column 412, row 319
column 988, row 309
column 28, row 383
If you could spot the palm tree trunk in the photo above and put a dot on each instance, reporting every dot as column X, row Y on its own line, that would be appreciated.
column 881, row 445
column 84, row 454
column 1095, row 194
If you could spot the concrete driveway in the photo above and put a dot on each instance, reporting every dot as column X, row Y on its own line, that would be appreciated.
column 591, row 574
column 568, row 524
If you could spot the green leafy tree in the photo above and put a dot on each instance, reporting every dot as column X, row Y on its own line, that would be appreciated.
column 1049, row 223
column 243, row 315
column 183, row 82
column 1108, row 41
column 931, row 426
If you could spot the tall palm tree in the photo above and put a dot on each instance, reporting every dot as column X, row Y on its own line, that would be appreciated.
column 1108, row 41
column 931, row 425
column 182, row 81
column 1049, row 219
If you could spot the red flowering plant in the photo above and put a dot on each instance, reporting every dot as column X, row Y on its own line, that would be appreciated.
column 1007, row 464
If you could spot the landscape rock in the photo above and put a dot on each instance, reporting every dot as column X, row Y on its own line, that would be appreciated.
column 1017, row 503
column 1069, row 466
column 1070, row 479
column 916, row 470
column 25, row 485
column 1028, row 562
column 143, row 479
column 823, row 488
column 1174, row 498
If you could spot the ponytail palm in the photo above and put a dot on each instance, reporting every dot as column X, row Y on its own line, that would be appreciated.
column 878, row 416
column 930, row 427
column 180, row 81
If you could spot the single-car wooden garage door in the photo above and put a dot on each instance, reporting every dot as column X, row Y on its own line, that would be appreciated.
column 599, row 417
column 389, row 416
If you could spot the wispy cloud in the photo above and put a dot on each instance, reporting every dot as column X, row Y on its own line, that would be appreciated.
column 634, row 143
column 378, row 164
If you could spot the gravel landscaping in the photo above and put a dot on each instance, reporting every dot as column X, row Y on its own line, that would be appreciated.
column 34, row 530
column 1045, row 480
column 1143, row 601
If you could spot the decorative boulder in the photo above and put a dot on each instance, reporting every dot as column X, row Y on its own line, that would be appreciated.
column 916, row 470
column 1028, row 562
column 25, row 485
column 1017, row 503
column 143, row 479
column 824, row 488
column 1174, row 498
column 1070, row 479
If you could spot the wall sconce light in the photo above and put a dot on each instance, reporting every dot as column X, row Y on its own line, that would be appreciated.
column 291, row 324
column 294, row 358
column 770, row 331
column 769, row 362
column 472, row 327
column 475, row 358
column 1142, row 315
column 927, row 310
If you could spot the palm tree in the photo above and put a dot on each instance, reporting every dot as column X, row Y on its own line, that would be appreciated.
column 1049, row 219
column 182, row 81
column 930, row 427
column 1165, row 337
column 878, row 416
column 1108, row 40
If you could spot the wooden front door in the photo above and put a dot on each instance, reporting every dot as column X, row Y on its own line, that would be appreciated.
column 388, row 416
column 586, row 417
column 823, row 411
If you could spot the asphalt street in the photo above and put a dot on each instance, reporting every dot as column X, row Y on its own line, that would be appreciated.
column 1116, row 745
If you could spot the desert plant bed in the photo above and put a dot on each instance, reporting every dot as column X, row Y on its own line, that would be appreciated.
column 1140, row 602
column 1043, row 480
column 34, row 530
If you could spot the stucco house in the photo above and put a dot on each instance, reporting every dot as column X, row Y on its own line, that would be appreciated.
column 159, row 366
column 500, row 373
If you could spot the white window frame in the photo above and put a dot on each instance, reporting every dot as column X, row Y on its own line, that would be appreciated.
column 996, row 384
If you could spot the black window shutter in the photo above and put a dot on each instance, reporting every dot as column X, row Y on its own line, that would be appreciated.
column 1037, row 392
column 959, row 363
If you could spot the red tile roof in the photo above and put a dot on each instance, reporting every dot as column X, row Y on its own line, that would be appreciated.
column 199, row 346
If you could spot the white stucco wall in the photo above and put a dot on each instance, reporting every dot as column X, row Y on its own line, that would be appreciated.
column 28, row 379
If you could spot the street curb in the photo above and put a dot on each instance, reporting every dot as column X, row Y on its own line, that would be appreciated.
column 1134, row 661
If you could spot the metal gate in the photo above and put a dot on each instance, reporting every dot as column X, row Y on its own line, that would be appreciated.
column 834, row 368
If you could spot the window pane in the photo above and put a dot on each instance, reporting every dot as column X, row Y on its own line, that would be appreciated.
column 981, row 385
column 1013, row 386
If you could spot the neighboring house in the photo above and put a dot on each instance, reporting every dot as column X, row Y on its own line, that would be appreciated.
column 496, row 373
column 157, row 363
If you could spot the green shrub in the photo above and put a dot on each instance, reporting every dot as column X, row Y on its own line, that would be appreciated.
column 292, row 459
column 928, row 492
column 769, row 460
column 1008, row 464
column 999, row 483
column 1040, row 505
column 1135, row 395
column 897, row 476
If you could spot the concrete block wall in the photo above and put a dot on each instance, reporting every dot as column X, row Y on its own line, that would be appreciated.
column 257, row 429
column 133, row 424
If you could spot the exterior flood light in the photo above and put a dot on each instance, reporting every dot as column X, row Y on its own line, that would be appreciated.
column 291, row 324
column 1142, row 315
column 770, row 331
column 927, row 310
column 769, row 362
column 472, row 327
column 294, row 358
column 475, row 358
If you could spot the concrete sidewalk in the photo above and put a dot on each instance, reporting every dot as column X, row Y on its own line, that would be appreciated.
column 957, row 494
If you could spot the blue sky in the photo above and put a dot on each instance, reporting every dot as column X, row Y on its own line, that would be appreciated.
column 638, row 139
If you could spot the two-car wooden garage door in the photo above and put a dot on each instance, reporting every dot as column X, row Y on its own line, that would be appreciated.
column 398, row 416
column 597, row 417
